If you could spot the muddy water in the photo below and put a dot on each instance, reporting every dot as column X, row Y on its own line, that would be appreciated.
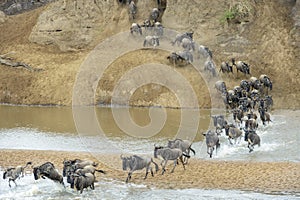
column 53, row 128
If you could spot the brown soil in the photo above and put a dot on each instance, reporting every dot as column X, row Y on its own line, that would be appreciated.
column 254, row 176
column 269, row 52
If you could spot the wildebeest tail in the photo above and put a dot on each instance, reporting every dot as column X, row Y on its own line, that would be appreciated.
column 185, row 155
column 101, row 171
column 193, row 151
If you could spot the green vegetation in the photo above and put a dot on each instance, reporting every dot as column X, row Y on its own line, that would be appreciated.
column 238, row 12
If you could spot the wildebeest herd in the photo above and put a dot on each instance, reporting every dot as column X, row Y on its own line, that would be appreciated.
column 245, row 102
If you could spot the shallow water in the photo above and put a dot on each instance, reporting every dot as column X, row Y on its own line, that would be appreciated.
column 52, row 128
column 28, row 188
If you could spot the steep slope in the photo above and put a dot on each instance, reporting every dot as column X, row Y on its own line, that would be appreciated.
column 58, row 37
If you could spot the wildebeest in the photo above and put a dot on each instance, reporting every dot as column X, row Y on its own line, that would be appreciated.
column 169, row 154
column 73, row 165
column 84, row 181
column 15, row 172
column 188, row 44
column 174, row 58
column 266, row 82
column 210, row 66
column 238, row 115
column 219, row 122
column 264, row 116
column 268, row 102
column 251, row 124
column 221, row 86
column 132, row 10
column 204, row 52
column 137, row 163
column 212, row 141
column 245, row 85
column 88, row 169
column 71, row 174
column 252, row 138
column 179, row 37
column 154, row 15
column 186, row 55
column 225, row 68
column 135, row 29
column 184, row 145
column 158, row 29
column 255, row 83
column 47, row 170
column 233, row 133
column 241, row 66
column 151, row 41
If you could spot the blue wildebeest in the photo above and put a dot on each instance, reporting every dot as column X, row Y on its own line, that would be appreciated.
column 137, row 163
column 212, row 140
column 225, row 68
column 241, row 66
column 132, row 10
column 186, row 55
column 174, row 58
column 81, row 172
column 135, row 29
column 187, row 44
column 210, row 66
column 252, row 138
column 47, row 170
column 204, row 52
column 264, row 116
column 268, row 102
column 154, row 15
column 158, row 29
column 221, row 87
column 180, row 37
column 219, row 122
column 151, row 41
column 266, row 82
column 15, row 172
column 169, row 154
column 233, row 133
column 84, row 181
column 73, row 165
column 184, row 145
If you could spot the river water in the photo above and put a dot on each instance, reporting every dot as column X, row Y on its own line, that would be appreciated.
column 53, row 128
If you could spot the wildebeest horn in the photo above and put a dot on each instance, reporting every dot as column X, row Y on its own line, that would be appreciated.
column 121, row 156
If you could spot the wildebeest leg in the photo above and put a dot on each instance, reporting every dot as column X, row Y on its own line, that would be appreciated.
column 147, row 171
column 152, row 174
column 164, row 167
column 129, row 176
column 230, row 141
column 175, row 163
column 92, row 186
column 183, row 164
column 209, row 152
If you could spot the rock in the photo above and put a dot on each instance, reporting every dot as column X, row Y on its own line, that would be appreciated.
column 73, row 25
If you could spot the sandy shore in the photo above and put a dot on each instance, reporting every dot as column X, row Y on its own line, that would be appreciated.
column 255, row 176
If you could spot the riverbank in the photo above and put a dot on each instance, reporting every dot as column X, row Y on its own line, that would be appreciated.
column 267, row 177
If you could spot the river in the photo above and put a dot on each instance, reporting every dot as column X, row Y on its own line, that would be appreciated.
column 53, row 128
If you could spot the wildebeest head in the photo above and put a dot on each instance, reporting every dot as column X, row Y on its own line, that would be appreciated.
column 125, row 162
column 36, row 173
column 4, row 175
column 156, row 148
